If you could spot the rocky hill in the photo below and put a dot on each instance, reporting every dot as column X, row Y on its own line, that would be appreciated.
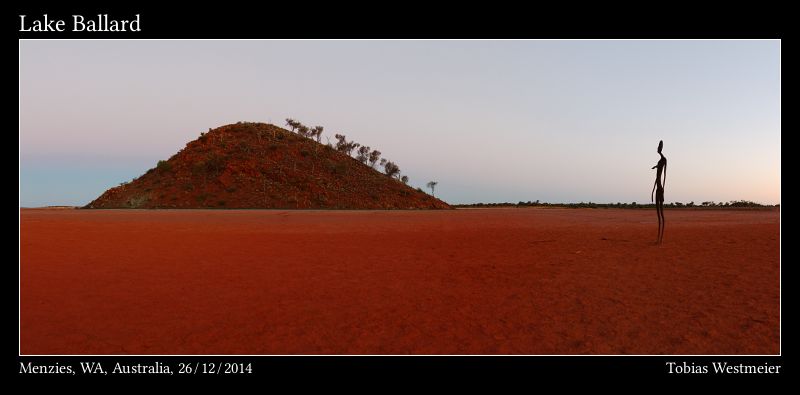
column 258, row 165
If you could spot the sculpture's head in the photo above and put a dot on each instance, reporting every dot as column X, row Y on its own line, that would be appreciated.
column 660, row 145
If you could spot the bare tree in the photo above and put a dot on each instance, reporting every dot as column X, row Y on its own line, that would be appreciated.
column 373, row 157
column 432, row 186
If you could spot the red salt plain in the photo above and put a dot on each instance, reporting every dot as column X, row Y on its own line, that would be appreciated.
column 467, row 281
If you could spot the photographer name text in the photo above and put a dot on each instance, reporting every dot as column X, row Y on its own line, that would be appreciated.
column 721, row 368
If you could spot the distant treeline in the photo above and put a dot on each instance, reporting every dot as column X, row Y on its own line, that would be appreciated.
column 709, row 204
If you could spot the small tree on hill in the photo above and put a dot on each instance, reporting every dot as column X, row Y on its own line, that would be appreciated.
column 163, row 165
column 303, row 130
column 344, row 146
column 341, row 142
column 363, row 154
column 432, row 186
column 316, row 132
column 391, row 169
column 404, row 179
column 292, row 124
column 351, row 146
column 374, row 156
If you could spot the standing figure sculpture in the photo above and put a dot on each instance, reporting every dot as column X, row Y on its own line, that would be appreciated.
column 658, row 188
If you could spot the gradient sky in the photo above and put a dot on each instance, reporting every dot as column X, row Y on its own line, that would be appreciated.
column 492, row 121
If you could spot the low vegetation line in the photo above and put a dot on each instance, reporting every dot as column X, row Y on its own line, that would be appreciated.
column 742, row 204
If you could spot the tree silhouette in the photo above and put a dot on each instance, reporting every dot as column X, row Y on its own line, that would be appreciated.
column 302, row 130
column 316, row 132
column 432, row 186
column 351, row 146
column 374, row 156
column 344, row 146
column 341, row 142
column 292, row 124
column 404, row 179
column 391, row 169
column 363, row 154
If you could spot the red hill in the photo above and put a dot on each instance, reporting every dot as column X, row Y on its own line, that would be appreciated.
column 258, row 165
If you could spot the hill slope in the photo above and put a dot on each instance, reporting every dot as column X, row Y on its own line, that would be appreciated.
column 257, row 165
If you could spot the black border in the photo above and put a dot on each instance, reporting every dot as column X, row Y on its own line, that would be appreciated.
column 421, row 21
column 288, row 20
column 463, row 369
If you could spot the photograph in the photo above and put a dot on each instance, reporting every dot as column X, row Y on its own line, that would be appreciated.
column 397, row 197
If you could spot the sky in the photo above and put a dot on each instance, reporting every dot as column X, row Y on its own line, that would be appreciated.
column 491, row 121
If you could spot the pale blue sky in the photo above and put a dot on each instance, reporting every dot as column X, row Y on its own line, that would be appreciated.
column 492, row 121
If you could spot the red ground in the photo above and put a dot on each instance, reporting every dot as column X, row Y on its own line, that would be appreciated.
column 508, row 281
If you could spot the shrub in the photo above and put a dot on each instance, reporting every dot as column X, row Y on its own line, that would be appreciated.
column 163, row 165
column 214, row 163
column 335, row 167
column 303, row 130
column 137, row 201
